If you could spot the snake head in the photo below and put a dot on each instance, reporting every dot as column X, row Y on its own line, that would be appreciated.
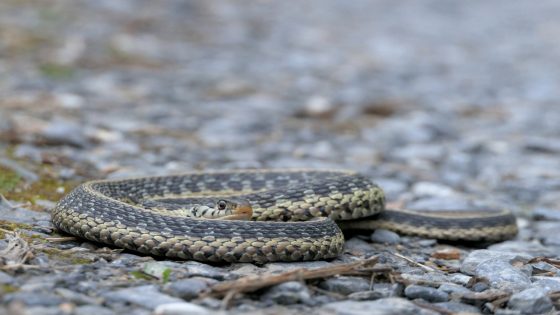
column 239, row 209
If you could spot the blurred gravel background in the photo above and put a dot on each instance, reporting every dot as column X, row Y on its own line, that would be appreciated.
column 445, row 104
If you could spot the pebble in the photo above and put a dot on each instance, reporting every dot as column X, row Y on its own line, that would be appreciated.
column 32, row 299
column 203, row 270
column 345, row 285
column 426, row 293
column 458, row 308
column 366, row 295
column 549, row 284
column 533, row 248
column 388, row 289
column 182, row 308
column 187, row 289
column 385, row 237
column 62, row 132
column 502, row 275
column 386, row 306
column 93, row 310
column 452, row 288
column 477, row 257
column 287, row 293
column 531, row 301
column 147, row 296
column 547, row 214
column 6, row 278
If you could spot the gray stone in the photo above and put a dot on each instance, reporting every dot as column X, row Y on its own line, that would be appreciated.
column 547, row 232
column 458, row 308
column 460, row 278
column 388, row 289
column 546, row 214
column 477, row 257
column 75, row 297
column 291, row 292
column 32, row 299
column 531, row 301
column 6, row 278
column 452, row 288
column 366, row 295
column 358, row 247
column 385, row 237
column 502, row 275
column 387, row 306
column 542, row 266
column 549, row 284
column 392, row 187
column 345, row 285
column 203, row 270
column 534, row 248
column 183, row 308
column 187, row 289
column 426, row 293
column 66, row 133
column 146, row 296
column 93, row 310
column 42, row 310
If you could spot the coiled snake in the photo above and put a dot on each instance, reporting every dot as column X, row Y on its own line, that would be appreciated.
column 293, row 214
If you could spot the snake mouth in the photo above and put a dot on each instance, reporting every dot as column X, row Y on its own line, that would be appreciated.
column 242, row 211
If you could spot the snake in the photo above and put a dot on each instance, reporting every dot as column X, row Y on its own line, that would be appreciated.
column 258, row 216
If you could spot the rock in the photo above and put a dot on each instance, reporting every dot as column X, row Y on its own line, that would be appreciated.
column 345, row 285
column 291, row 292
column 426, row 293
column 502, row 275
column 429, row 189
column 93, row 310
column 477, row 257
column 366, row 295
column 6, row 278
column 458, row 308
column 435, row 204
column 546, row 214
column 156, row 269
column 182, row 308
column 358, row 247
column 534, row 248
column 62, row 132
column 387, row 306
column 75, row 297
column 21, row 171
column 531, row 301
column 32, row 299
column 549, row 284
column 460, row 278
column 385, row 237
column 392, row 187
column 187, row 289
column 542, row 266
column 388, row 289
column 452, row 288
column 203, row 270
column 547, row 232
column 146, row 296
column 480, row 286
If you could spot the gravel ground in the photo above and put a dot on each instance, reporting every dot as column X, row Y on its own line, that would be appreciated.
column 442, row 103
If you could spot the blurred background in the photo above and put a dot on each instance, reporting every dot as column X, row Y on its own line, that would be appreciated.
column 432, row 99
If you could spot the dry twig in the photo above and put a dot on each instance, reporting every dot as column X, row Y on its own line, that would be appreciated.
column 253, row 283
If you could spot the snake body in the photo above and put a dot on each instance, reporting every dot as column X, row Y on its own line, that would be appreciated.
column 294, row 215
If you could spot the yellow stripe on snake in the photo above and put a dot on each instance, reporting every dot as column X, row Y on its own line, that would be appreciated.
column 294, row 215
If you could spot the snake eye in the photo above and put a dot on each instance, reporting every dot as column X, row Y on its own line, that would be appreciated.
column 222, row 205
